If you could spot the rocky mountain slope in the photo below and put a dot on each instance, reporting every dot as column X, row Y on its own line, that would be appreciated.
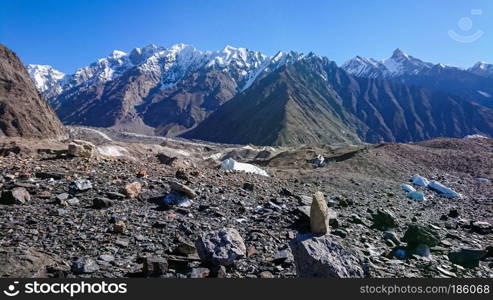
column 23, row 112
column 314, row 101
column 290, row 106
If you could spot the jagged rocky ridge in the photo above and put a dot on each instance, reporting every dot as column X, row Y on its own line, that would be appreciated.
column 314, row 101
column 167, row 90
column 170, row 91
column 474, row 84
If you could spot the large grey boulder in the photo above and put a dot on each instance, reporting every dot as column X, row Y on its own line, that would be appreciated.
column 325, row 256
column 384, row 219
column 220, row 247
column 468, row 258
column 421, row 234
column 19, row 262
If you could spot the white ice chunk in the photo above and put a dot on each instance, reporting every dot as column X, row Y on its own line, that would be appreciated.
column 233, row 165
column 113, row 151
column 407, row 188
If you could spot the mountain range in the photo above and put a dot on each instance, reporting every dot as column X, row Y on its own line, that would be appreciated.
column 235, row 95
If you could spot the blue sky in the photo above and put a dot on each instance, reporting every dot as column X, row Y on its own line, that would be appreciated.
column 70, row 34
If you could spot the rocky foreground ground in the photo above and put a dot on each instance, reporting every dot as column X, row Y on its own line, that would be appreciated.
column 140, row 207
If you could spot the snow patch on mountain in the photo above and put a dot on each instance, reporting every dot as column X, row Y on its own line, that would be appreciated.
column 484, row 94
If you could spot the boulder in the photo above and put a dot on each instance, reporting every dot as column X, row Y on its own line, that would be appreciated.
column 325, row 256
column 18, row 195
column 481, row 227
column 154, row 266
column 248, row 186
column 81, row 185
column 282, row 256
column 79, row 148
column 132, row 190
column 391, row 236
column 384, row 219
column 421, row 234
column 100, row 202
column 319, row 217
column 17, row 262
column 119, row 227
column 185, row 248
column 166, row 160
column 468, row 258
column 175, row 186
column 220, row 247
column 84, row 265
column 453, row 213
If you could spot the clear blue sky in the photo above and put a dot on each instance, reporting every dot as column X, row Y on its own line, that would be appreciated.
column 70, row 34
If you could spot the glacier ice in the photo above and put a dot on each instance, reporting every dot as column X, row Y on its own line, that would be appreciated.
column 233, row 165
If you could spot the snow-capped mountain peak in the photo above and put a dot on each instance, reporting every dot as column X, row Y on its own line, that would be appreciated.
column 45, row 77
column 482, row 69
column 168, row 65
column 398, row 53
column 117, row 54
column 398, row 64
column 364, row 67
